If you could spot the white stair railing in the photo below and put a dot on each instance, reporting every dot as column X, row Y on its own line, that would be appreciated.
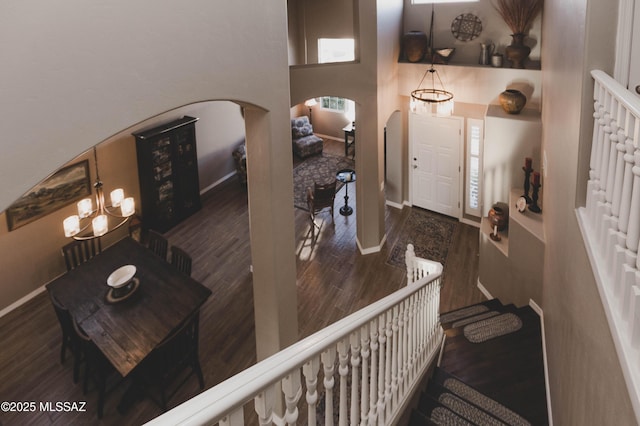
column 372, row 362
column 610, row 220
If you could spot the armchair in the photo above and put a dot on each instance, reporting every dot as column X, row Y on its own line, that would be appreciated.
column 305, row 143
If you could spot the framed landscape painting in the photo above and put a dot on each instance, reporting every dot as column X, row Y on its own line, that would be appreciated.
column 65, row 186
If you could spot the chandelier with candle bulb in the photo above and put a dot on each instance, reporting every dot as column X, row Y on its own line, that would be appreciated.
column 94, row 221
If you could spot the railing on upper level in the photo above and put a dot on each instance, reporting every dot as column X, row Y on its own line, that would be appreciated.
column 610, row 220
column 380, row 354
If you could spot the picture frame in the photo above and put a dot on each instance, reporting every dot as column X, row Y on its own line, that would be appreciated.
column 62, row 188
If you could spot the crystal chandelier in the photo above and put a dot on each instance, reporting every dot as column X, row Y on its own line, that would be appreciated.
column 77, row 225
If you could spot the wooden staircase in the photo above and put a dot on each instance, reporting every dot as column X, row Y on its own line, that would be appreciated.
column 497, row 382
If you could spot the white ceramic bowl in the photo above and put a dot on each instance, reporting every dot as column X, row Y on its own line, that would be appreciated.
column 121, row 276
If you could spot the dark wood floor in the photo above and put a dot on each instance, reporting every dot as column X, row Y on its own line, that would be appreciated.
column 334, row 280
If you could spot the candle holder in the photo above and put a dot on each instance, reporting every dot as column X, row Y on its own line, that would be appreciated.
column 494, row 234
column 534, row 199
column 527, row 176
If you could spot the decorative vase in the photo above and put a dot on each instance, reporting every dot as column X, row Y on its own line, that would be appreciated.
column 415, row 45
column 512, row 101
column 498, row 217
column 517, row 52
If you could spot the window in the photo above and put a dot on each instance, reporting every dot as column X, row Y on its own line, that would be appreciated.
column 474, row 166
column 335, row 50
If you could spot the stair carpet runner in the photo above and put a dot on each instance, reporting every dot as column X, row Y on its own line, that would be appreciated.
column 448, row 400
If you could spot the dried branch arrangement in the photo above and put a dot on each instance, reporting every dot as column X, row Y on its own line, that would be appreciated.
column 518, row 14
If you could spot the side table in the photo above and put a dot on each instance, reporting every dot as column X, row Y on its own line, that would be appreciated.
column 345, row 176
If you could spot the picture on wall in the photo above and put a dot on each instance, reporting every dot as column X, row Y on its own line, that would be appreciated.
column 65, row 186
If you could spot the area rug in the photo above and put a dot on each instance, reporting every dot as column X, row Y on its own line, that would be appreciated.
column 484, row 330
column 320, row 169
column 430, row 233
column 467, row 411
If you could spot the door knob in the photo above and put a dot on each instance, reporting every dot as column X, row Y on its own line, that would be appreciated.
column 638, row 89
column 415, row 167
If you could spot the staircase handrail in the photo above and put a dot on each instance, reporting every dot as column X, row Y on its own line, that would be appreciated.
column 224, row 402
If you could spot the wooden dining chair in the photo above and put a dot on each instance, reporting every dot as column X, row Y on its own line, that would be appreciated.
column 157, row 243
column 98, row 369
column 320, row 197
column 159, row 373
column 181, row 260
column 69, row 338
column 77, row 252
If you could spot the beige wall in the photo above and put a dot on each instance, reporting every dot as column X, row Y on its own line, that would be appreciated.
column 587, row 387
column 95, row 70
column 418, row 17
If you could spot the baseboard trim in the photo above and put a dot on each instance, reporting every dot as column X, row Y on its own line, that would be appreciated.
column 333, row 138
column 22, row 300
column 484, row 291
column 470, row 222
column 398, row 206
column 370, row 250
column 538, row 310
column 218, row 182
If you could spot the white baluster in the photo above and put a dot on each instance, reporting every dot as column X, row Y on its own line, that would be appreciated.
column 264, row 404
column 627, row 186
column 355, row 371
column 394, row 356
column 328, row 358
column 409, row 257
column 387, row 366
column 604, row 159
column 310, row 371
column 382, row 340
column 366, row 353
column 613, row 143
column 628, row 281
column 634, row 218
column 343, row 371
column 402, row 346
column 235, row 418
column 619, row 169
column 373, row 389
column 292, row 389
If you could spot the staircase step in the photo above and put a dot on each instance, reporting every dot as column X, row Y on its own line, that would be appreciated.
column 438, row 396
column 456, row 328
column 435, row 413
column 443, row 381
column 458, row 314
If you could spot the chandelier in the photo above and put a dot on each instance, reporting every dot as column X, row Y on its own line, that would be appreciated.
column 424, row 99
column 77, row 226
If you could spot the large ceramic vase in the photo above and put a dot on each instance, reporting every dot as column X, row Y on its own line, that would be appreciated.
column 512, row 101
column 517, row 52
column 415, row 45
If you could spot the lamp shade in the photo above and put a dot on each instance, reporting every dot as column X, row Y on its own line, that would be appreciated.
column 311, row 102
column 71, row 225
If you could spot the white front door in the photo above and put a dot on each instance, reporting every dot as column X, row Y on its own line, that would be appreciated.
column 435, row 163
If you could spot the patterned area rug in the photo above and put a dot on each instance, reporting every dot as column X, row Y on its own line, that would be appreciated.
column 430, row 233
column 484, row 330
column 462, row 313
column 320, row 169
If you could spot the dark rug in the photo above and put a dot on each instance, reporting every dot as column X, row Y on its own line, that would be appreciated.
column 320, row 169
column 430, row 233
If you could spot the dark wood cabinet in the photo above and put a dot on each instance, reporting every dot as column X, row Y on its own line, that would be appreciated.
column 168, row 173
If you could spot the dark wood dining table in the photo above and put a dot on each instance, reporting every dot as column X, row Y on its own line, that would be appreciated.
column 128, row 330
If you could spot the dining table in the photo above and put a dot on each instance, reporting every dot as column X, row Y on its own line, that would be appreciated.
column 127, row 329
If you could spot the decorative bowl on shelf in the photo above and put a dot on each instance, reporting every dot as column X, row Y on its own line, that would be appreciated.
column 121, row 276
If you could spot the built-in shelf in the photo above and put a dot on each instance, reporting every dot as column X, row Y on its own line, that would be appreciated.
column 503, row 244
column 530, row 221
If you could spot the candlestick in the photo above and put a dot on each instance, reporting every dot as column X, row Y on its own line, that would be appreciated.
column 494, row 235
column 536, row 178
column 527, row 163
column 534, row 197
column 527, row 174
